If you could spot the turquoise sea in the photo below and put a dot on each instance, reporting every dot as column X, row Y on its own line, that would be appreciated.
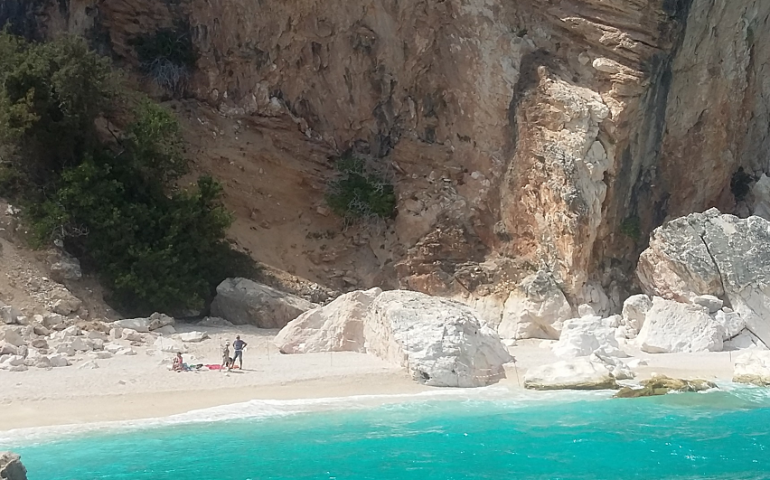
column 482, row 434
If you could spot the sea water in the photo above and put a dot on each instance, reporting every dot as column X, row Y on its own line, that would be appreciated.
column 482, row 434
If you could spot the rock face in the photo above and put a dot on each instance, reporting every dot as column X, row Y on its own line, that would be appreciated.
column 713, row 254
column 578, row 374
column 441, row 342
column 336, row 327
column 11, row 467
column 754, row 368
column 244, row 302
column 677, row 327
column 536, row 309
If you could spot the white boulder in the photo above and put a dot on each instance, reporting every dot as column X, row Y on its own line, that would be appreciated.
column 12, row 336
column 169, row 345
column 58, row 361
column 584, row 336
column 635, row 310
column 89, row 365
column 441, row 342
column 141, row 325
column 166, row 330
column 744, row 340
column 710, row 302
column 677, row 327
column 732, row 323
column 244, row 302
column 131, row 335
column 193, row 337
column 713, row 254
column 336, row 327
column 536, row 309
column 753, row 367
column 578, row 374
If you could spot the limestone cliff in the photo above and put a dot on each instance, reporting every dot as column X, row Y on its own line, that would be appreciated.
column 531, row 135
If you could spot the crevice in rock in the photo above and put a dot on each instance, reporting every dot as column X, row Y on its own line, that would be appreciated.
column 726, row 299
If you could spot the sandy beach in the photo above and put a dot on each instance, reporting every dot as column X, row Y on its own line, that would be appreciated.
column 141, row 386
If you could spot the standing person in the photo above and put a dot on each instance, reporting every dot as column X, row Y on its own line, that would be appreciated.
column 226, row 356
column 238, row 346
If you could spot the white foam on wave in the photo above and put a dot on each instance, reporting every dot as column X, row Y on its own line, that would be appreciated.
column 264, row 409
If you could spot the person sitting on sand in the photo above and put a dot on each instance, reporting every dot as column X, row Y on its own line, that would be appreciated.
column 238, row 346
column 178, row 365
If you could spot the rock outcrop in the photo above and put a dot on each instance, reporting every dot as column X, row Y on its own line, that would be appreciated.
column 713, row 254
column 441, row 342
column 578, row 374
column 583, row 336
column 677, row 327
column 336, row 327
column 661, row 385
column 753, row 368
column 536, row 309
column 11, row 467
column 244, row 302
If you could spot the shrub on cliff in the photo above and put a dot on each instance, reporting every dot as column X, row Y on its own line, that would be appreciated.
column 108, row 193
column 168, row 56
column 360, row 191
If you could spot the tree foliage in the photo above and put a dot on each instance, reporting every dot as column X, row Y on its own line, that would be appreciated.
column 110, row 197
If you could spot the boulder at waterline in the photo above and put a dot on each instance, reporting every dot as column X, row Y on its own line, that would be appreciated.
column 753, row 368
column 11, row 467
column 244, row 302
column 678, row 327
column 536, row 309
column 336, row 327
column 713, row 254
column 661, row 385
column 578, row 374
column 441, row 342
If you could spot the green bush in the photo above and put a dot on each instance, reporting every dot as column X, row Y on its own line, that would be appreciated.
column 113, row 202
column 360, row 192
column 631, row 228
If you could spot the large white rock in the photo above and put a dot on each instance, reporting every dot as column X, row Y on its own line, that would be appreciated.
column 710, row 302
column 441, row 342
column 761, row 194
column 578, row 374
column 536, row 309
column 753, row 367
column 141, row 325
column 583, row 336
column 160, row 320
column 635, row 310
column 193, row 337
column 244, row 302
column 336, row 327
column 677, row 327
column 713, row 254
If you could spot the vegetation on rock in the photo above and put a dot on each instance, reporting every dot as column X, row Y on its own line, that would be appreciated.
column 360, row 191
column 97, row 168
column 168, row 56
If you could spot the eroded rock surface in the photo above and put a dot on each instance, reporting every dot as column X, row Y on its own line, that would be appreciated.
column 671, row 327
column 578, row 374
column 11, row 467
column 713, row 254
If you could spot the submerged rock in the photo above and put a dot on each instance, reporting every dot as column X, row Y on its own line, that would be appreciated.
column 662, row 385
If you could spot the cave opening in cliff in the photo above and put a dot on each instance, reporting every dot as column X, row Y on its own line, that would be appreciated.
column 740, row 184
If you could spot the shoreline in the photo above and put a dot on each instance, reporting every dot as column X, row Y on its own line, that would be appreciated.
column 141, row 387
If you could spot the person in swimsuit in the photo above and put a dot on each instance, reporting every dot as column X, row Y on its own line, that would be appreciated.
column 238, row 346
column 226, row 356
column 178, row 364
